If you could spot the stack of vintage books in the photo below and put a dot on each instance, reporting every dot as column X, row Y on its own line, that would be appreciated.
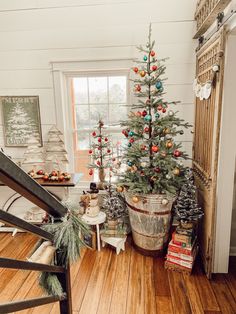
column 182, row 250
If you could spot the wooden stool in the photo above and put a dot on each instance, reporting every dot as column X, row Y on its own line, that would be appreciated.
column 118, row 243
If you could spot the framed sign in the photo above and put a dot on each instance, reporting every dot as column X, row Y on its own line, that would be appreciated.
column 21, row 119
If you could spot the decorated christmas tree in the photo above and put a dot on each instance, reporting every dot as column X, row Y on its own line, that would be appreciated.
column 101, row 153
column 187, row 209
column 153, row 157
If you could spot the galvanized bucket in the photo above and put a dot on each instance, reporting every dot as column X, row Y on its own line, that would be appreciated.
column 150, row 221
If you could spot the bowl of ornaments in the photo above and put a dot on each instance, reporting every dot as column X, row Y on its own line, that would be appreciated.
column 56, row 176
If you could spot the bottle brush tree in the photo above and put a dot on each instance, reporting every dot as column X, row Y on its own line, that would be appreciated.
column 100, row 152
column 153, row 157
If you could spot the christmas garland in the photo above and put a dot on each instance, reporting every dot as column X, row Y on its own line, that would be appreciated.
column 67, row 240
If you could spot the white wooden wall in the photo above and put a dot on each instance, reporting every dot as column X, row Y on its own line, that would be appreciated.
column 34, row 33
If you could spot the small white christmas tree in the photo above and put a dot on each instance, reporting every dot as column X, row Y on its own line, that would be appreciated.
column 33, row 156
column 55, row 152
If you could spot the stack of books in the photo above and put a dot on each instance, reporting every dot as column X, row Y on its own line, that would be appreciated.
column 182, row 250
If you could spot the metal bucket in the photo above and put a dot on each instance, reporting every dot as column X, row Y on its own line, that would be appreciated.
column 150, row 222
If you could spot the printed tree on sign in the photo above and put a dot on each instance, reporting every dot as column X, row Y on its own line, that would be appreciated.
column 153, row 157
column 20, row 125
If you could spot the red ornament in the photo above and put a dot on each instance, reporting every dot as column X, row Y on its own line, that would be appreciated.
column 157, row 170
column 98, row 163
column 164, row 110
column 91, row 172
column 146, row 129
column 108, row 151
column 144, row 113
column 90, row 151
column 138, row 88
column 113, row 159
column 152, row 53
column 159, row 107
column 143, row 147
column 94, row 134
column 125, row 133
column 155, row 148
column 135, row 69
column 45, row 178
column 99, row 148
column 138, row 114
column 106, row 139
column 131, row 140
column 154, row 68
column 177, row 153
column 99, row 140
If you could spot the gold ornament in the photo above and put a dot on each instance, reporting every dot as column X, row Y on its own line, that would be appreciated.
column 166, row 130
column 142, row 73
column 134, row 168
column 135, row 199
column 176, row 171
column 120, row 189
column 169, row 144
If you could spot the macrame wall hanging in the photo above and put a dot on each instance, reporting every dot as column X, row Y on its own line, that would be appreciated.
column 203, row 90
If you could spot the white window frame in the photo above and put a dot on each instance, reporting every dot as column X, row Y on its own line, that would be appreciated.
column 62, row 72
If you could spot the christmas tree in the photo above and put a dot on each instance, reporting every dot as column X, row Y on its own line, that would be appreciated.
column 20, row 126
column 153, row 158
column 186, row 208
column 100, row 152
column 55, row 152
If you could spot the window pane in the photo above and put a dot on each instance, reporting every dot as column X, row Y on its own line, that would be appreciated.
column 117, row 113
column 98, row 89
column 117, row 89
column 83, row 140
column 97, row 111
column 80, row 85
column 82, row 116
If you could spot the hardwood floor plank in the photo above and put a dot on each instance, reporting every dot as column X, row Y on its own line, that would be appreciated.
column 207, row 296
column 164, row 305
column 82, row 279
column 95, row 284
column 107, row 290
column 212, row 312
column 179, row 295
column 121, row 282
column 230, row 278
column 135, row 298
column 149, row 286
column 162, row 287
column 193, row 295
column 223, row 294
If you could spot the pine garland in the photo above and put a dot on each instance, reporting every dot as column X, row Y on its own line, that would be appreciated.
column 67, row 240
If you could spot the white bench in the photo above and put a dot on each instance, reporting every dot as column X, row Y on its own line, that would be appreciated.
column 118, row 243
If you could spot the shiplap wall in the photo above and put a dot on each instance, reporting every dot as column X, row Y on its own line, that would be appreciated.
column 34, row 33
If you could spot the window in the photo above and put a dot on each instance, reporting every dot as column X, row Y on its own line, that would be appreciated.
column 94, row 96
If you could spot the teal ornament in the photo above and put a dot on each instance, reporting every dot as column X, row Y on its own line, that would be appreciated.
column 131, row 133
column 148, row 117
column 145, row 58
column 159, row 85
column 129, row 144
column 161, row 90
column 129, row 163
column 157, row 115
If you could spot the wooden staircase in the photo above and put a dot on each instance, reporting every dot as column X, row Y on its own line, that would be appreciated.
column 14, row 177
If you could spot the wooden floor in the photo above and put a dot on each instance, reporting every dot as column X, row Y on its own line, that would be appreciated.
column 128, row 283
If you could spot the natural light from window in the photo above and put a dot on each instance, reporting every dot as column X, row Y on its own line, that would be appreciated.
column 94, row 96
